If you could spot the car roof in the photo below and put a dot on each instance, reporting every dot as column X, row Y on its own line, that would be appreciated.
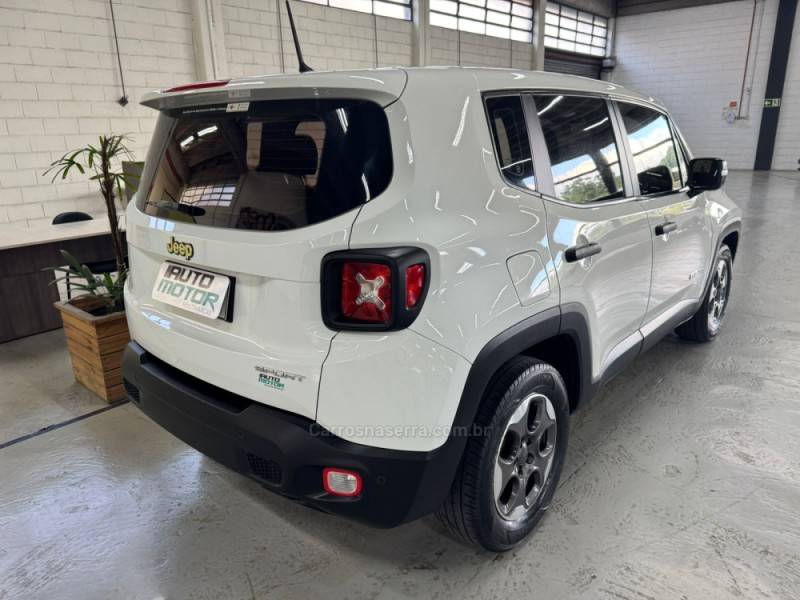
column 391, row 81
column 490, row 79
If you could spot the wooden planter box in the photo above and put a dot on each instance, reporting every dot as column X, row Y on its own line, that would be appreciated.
column 95, row 345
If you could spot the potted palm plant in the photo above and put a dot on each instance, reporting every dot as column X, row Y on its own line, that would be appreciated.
column 94, row 321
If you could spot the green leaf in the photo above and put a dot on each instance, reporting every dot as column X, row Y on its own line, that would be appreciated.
column 71, row 260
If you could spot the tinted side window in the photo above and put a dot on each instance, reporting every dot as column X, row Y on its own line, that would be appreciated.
column 510, row 135
column 653, row 149
column 583, row 151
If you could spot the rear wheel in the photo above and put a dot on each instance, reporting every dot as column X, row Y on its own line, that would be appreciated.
column 512, row 465
column 707, row 321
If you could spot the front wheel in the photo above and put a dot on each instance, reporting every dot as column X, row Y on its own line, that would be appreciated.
column 707, row 321
column 511, row 467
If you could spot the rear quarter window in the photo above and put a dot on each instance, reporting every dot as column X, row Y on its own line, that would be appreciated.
column 510, row 137
column 276, row 166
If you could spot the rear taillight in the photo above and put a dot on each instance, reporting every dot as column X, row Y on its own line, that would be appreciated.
column 367, row 292
column 381, row 289
column 199, row 85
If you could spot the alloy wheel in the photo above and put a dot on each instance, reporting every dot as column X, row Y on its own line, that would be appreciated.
column 525, row 457
column 718, row 295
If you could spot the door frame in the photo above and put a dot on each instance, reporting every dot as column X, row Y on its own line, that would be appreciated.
column 542, row 167
column 656, row 327
column 630, row 346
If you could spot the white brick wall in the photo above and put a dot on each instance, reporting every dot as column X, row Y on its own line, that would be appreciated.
column 58, row 86
column 787, row 143
column 477, row 50
column 59, row 78
column 693, row 60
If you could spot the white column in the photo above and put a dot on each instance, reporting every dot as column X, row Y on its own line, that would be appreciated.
column 208, row 34
column 421, row 34
column 537, row 59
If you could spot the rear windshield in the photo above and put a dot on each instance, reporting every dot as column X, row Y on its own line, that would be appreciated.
column 272, row 165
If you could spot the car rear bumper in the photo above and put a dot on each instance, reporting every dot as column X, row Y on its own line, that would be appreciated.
column 286, row 452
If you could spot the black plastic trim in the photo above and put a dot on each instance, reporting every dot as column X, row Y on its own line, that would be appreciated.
column 575, row 324
column 398, row 486
column 618, row 365
column 735, row 226
column 576, row 253
column 667, row 327
column 665, row 228
column 498, row 351
column 398, row 259
column 570, row 319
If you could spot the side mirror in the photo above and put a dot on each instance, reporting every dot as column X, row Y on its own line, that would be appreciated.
column 707, row 174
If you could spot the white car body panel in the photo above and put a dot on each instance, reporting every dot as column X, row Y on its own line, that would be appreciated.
column 613, row 285
column 496, row 258
column 680, row 258
column 394, row 390
column 469, row 225
column 276, row 323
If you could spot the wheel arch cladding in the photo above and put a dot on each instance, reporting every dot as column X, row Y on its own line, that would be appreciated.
column 731, row 239
column 558, row 335
column 562, row 352
column 729, row 235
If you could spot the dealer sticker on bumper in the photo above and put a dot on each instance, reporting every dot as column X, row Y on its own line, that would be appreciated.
column 191, row 289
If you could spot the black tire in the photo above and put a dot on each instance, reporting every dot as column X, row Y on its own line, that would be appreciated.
column 472, row 511
column 704, row 326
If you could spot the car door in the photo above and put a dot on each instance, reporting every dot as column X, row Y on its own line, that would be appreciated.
column 681, row 237
column 599, row 236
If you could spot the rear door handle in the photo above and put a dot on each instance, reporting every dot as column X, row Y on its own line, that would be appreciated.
column 575, row 253
column 666, row 227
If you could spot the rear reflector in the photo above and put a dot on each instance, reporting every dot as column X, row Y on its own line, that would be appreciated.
column 367, row 292
column 339, row 482
column 200, row 85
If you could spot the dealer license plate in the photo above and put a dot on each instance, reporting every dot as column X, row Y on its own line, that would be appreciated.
column 194, row 290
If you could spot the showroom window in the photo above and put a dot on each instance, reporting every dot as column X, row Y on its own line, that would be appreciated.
column 508, row 19
column 583, row 151
column 653, row 149
column 573, row 30
column 510, row 137
column 396, row 9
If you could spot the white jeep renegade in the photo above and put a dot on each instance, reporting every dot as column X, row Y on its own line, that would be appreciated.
column 383, row 292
